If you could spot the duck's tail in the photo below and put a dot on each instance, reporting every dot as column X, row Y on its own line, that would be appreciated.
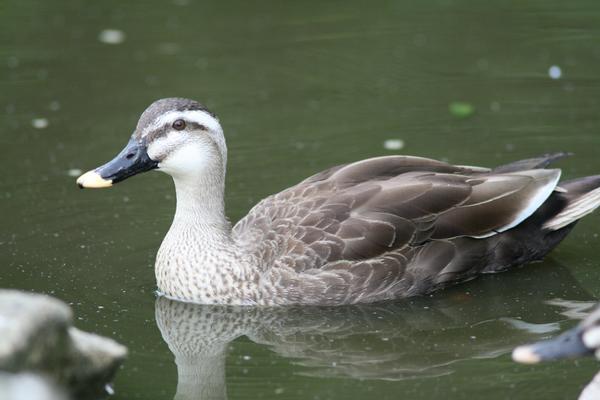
column 575, row 198
column 532, row 163
column 582, row 196
column 547, row 227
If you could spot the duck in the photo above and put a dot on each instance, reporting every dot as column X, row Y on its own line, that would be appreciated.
column 378, row 229
column 580, row 341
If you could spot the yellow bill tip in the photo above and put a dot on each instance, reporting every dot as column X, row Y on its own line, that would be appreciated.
column 93, row 180
column 525, row 355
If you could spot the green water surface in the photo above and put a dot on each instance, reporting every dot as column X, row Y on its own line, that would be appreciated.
column 298, row 86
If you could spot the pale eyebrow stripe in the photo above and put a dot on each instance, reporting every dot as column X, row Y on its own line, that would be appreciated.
column 198, row 117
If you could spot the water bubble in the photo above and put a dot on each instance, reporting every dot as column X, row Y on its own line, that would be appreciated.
column 111, row 36
column 201, row 63
column 74, row 172
column 12, row 62
column 483, row 64
column 39, row 123
column 42, row 74
column 393, row 144
column 169, row 49
column 109, row 389
column 420, row 39
column 151, row 80
column 555, row 72
column 54, row 105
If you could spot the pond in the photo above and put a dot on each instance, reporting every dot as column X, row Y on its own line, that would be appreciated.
column 299, row 87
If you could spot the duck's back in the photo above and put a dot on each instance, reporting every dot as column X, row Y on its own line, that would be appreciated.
column 397, row 226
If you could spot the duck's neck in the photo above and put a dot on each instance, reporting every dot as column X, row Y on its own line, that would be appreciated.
column 198, row 259
column 200, row 202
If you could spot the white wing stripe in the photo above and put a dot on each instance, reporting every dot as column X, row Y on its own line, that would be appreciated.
column 536, row 201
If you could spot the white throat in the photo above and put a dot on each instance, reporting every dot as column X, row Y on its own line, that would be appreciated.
column 199, row 177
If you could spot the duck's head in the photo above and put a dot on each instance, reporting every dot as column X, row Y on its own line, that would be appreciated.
column 177, row 136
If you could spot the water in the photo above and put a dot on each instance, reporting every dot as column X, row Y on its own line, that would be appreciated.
column 298, row 87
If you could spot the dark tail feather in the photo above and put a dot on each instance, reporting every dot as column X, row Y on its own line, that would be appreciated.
column 548, row 226
column 531, row 163
column 579, row 186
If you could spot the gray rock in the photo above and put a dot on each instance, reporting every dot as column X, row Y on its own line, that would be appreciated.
column 93, row 358
column 33, row 329
column 38, row 336
column 27, row 386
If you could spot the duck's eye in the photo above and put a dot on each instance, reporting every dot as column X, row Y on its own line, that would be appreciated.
column 179, row 124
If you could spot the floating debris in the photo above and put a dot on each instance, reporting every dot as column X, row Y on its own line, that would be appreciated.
column 393, row 144
column 111, row 36
column 42, row 74
column 555, row 72
column 461, row 109
column 74, row 172
column 54, row 105
column 12, row 62
column 169, row 49
column 39, row 123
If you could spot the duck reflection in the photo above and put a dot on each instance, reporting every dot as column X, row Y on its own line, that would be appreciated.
column 424, row 337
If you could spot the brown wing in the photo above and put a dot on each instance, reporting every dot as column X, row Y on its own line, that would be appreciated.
column 380, row 211
column 364, row 209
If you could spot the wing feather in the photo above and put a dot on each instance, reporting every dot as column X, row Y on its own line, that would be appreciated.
column 370, row 217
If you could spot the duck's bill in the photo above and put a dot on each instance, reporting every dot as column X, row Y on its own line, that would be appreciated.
column 132, row 160
column 567, row 345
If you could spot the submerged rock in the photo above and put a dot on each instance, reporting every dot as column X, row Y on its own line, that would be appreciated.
column 38, row 336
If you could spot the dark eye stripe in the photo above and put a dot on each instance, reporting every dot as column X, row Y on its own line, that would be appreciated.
column 196, row 125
